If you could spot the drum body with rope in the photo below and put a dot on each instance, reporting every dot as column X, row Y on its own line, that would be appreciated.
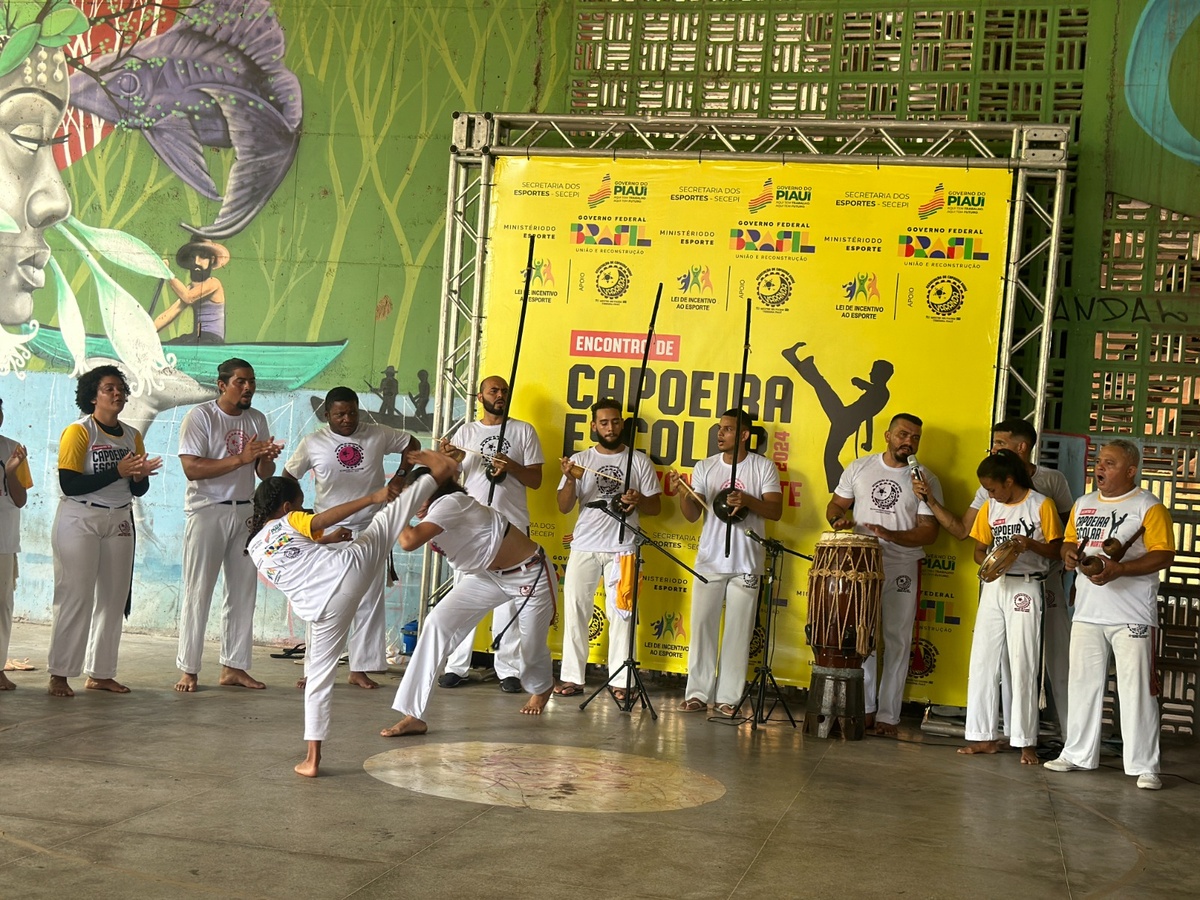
column 845, row 593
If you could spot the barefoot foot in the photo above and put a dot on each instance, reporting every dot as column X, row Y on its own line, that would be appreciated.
column 231, row 677
column 535, row 704
column 1029, row 756
column 186, row 683
column 886, row 729
column 59, row 687
column 312, row 761
column 407, row 725
column 363, row 680
column 105, row 684
column 5, row 684
column 979, row 747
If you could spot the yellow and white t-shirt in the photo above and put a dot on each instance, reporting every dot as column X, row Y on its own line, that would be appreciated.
column 1033, row 516
column 1130, row 599
column 87, row 448
column 285, row 551
column 10, row 513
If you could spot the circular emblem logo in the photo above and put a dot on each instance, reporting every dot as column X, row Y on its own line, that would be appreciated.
column 291, row 552
column 758, row 640
column 1022, row 603
column 350, row 455
column 923, row 660
column 236, row 441
column 596, row 625
column 1139, row 631
column 490, row 445
column 123, row 529
column 945, row 294
column 774, row 287
column 607, row 487
column 885, row 494
column 903, row 584
column 612, row 280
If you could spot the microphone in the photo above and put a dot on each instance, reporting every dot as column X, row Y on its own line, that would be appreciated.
column 754, row 537
column 914, row 469
column 596, row 504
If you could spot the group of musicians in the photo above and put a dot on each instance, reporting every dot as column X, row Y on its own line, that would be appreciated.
column 470, row 499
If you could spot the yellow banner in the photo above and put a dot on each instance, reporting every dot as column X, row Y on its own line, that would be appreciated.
column 873, row 291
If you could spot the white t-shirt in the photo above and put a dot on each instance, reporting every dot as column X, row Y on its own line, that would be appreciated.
column 755, row 476
column 1033, row 516
column 1130, row 599
column 884, row 496
column 471, row 532
column 1047, row 482
column 209, row 433
column 521, row 444
column 596, row 530
column 10, row 513
column 347, row 467
column 286, row 553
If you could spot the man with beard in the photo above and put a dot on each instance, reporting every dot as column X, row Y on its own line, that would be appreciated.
column 223, row 444
column 733, row 578
column 346, row 460
column 520, row 461
column 880, row 489
column 597, row 550
column 1116, row 610
column 205, row 295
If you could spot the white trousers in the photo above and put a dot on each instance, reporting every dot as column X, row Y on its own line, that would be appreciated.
column 214, row 538
column 738, row 594
column 462, row 609
column 1133, row 649
column 93, row 568
column 8, row 587
column 1056, row 619
column 1007, row 626
column 901, row 591
column 363, row 558
column 507, row 657
column 585, row 569
column 368, row 631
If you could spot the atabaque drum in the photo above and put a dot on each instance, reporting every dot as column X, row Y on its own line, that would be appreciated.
column 845, row 593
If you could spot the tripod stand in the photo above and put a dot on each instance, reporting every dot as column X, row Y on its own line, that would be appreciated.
column 636, row 692
column 763, row 677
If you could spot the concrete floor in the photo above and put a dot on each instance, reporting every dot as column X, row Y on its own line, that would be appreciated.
column 158, row 794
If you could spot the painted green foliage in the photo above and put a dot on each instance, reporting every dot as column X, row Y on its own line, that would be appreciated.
column 350, row 245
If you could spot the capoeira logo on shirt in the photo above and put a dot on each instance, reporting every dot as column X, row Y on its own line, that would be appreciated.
column 490, row 445
column 106, row 456
column 350, row 455
column 236, row 441
column 885, row 493
column 607, row 487
column 1022, row 603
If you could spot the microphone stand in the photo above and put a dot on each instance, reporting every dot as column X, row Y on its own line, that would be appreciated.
column 763, row 676
column 633, row 695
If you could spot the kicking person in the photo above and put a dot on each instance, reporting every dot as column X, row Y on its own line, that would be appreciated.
column 346, row 460
column 324, row 571
column 499, row 564
column 1009, row 620
column 223, row 445
column 520, row 459
column 14, row 489
column 598, row 553
column 102, row 466
column 733, row 579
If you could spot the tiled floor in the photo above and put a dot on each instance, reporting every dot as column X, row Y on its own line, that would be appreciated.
column 158, row 794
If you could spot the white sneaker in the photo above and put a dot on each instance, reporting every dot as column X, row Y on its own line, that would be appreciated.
column 1060, row 765
column 1150, row 782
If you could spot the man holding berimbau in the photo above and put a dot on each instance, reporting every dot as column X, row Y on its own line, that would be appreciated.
column 880, row 490
column 732, row 578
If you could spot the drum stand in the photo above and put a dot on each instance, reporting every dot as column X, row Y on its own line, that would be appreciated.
column 636, row 692
column 763, row 676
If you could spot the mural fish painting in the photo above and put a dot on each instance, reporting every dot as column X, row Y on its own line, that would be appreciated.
column 216, row 78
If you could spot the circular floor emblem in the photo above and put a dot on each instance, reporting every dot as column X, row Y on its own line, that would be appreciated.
column 774, row 287
column 945, row 294
column 612, row 279
column 546, row 777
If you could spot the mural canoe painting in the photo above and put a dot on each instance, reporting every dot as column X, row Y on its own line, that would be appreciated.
column 279, row 367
